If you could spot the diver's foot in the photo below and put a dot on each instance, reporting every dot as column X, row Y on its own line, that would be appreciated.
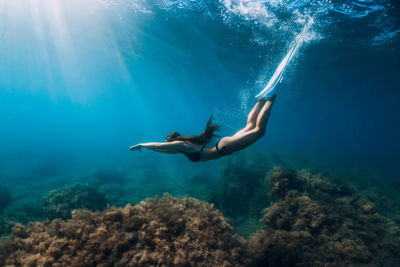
column 267, row 96
column 262, row 100
column 272, row 98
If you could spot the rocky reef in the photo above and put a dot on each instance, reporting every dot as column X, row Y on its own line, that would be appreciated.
column 317, row 222
column 157, row 232
column 309, row 219
column 59, row 203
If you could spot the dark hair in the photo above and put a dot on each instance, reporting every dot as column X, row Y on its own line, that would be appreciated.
column 201, row 139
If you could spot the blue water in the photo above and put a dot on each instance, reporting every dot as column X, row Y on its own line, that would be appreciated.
column 80, row 82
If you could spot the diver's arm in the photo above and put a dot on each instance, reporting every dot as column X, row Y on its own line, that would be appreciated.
column 164, row 147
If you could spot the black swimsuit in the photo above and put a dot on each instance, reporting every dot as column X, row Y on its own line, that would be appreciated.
column 194, row 156
column 221, row 151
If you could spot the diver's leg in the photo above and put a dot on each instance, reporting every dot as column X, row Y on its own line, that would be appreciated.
column 263, row 116
column 252, row 117
column 245, row 139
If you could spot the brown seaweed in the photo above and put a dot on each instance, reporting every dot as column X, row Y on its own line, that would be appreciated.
column 157, row 232
column 316, row 222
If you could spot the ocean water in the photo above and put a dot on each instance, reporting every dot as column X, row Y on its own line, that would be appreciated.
column 81, row 81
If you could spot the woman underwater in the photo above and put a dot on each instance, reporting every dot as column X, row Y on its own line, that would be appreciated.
column 194, row 147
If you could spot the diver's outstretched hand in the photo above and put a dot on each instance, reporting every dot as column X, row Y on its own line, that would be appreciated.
column 136, row 147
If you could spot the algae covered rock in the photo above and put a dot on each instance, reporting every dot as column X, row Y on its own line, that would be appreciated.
column 313, row 220
column 281, row 180
column 309, row 182
column 60, row 203
column 318, row 222
column 157, row 232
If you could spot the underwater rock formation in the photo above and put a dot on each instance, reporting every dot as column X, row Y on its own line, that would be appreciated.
column 21, row 210
column 157, row 232
column 316, row 222
column 6, row 224
column 60, row 203
column 5, row 198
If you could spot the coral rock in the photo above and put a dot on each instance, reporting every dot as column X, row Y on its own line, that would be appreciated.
column 317, row 222
column 157, row 232
column 60, row 203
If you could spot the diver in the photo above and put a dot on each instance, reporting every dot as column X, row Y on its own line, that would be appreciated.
column 195, row 147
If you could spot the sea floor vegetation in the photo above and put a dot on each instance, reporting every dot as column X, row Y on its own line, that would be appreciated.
column 157, row 232
column 317, row 222
column 251, row 213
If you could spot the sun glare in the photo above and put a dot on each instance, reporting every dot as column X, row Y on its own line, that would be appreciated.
column 51, row 45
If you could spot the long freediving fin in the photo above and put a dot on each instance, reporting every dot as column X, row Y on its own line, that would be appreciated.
column 278, row 74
